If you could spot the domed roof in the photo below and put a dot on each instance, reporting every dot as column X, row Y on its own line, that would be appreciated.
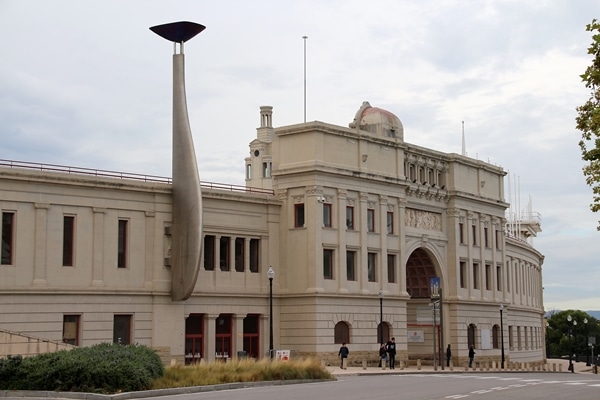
column 378, row 121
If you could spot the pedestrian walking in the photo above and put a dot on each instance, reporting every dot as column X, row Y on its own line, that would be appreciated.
column 382, row 354
column 391, row 350
column 343, row 353
column 471, row 355
column 448, row 355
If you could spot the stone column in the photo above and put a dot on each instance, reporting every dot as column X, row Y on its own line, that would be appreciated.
column 210, row 336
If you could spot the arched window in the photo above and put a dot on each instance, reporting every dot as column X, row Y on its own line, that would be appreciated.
column 496, row 337
column 383, row 332
column 471, row 335
column 419, row 271
column 341, row 332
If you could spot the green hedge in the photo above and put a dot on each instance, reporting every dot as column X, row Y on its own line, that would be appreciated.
column 103, row 368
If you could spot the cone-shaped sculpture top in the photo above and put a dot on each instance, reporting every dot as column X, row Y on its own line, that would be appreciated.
column 178, row 32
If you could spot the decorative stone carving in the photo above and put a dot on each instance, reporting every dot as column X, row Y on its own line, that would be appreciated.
column 423, row 219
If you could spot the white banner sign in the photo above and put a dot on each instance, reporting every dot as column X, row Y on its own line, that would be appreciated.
column 415, row 336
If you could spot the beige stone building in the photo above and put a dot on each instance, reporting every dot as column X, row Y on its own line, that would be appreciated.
column 354, row 221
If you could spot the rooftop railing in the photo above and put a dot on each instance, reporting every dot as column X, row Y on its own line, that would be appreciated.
column 124, row 175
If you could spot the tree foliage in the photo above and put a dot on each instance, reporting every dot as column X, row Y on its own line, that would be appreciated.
column 557, row 334
column 588, row 119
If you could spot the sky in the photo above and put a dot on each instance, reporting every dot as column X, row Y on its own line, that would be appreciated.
column 87, row 84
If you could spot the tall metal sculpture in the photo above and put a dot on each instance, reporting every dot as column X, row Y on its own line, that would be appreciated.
column 186, row 229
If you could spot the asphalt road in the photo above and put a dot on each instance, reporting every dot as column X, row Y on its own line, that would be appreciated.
column 423, row 387
column 427, row 386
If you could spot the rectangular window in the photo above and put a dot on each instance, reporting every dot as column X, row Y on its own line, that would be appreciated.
column 475, row 276
column 266, row 170
column 485, row 237
column 8, row 232
column 391, row 268
column 122, row 245
column 350, row 218
column 351, row 265
column 327, row 215
column 122, row 329
column 461, row 232
column 516, row 274
column 71, row 329
column 474, row 229
column 510, row 337
column 390, row 223
column 299, row 215
column 463, row 274
column 224, row 253
column 327, row 264
column 498, row 277
column 248, row 171
column 371, row 267
column 508, row 276
column 370, row 220
column 68, row 240
column 254, row 254
column 239, row 254
column 488, row 277
column 498, row 240
column 209, row 252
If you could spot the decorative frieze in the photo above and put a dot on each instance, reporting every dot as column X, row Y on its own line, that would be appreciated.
column 423, row 219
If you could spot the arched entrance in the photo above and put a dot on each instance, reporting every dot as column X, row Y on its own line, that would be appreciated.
column 420, row 268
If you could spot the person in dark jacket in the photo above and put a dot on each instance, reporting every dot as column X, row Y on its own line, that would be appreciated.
column 343, row 353
column 382, row 353
column 448, row 355
column 391, row 350
column 471, row 355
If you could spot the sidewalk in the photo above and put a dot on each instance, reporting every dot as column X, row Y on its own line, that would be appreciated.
column 579, row 367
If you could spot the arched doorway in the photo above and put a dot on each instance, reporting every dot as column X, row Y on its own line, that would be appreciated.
column 420, row 268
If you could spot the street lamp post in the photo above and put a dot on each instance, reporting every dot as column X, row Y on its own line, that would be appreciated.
column 572, row 323
column 587, row 341
column 381, row 316
column 502, row 335
column 271, row 275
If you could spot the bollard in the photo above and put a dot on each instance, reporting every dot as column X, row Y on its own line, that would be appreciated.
column 451, row 365
column 466, row 366
column 344, row 363
column 401, row 365
column 364, row 363
column 383, row 364
column 418, row 364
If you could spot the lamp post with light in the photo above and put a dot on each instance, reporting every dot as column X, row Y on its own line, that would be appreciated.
column 572, row 323
column 587, row 344
column 502, row 335
column 380, row 316
column 271, row 275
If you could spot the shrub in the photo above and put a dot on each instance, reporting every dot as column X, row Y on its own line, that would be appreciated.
column 103, row 368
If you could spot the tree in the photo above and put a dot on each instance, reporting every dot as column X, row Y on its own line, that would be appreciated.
column 557, row 334
column 588, row 119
